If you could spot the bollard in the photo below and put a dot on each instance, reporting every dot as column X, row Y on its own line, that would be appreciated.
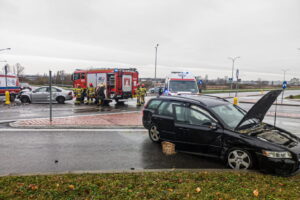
column 235, row 100
column 7, row 98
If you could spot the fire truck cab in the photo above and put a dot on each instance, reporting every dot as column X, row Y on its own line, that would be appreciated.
column 120, row 83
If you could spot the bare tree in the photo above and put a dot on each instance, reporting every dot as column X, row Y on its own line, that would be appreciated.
column 20, row 69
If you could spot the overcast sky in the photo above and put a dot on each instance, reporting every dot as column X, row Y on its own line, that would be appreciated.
column 196, row 36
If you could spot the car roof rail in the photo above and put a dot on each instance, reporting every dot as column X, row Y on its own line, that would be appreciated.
column 215, row 97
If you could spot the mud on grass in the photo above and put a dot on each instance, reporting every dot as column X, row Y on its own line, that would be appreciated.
column 152, row 185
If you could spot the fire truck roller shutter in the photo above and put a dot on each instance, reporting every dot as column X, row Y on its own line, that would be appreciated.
column 92, row 78
column 101, row 78
column 127, row 83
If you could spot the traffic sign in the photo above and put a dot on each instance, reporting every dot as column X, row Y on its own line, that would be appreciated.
column 200, row 82
column 284, row 85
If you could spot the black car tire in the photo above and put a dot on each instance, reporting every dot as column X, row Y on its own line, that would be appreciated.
column 25, row 99
column 60, row 100
column 154, row 134
column 239, row 159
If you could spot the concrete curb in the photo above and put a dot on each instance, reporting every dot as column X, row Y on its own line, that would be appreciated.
column 72, row 127
column 129, row 171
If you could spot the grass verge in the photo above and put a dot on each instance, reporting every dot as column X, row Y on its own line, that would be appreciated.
column 293, row 97
column 152, row 185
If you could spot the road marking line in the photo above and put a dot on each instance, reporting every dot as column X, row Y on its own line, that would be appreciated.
column 73, row 130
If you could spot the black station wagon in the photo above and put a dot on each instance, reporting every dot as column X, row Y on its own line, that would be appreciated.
column 212, row 126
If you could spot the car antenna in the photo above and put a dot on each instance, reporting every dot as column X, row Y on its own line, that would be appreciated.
column 275, row 116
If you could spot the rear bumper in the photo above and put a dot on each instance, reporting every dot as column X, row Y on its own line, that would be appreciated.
column 278, row 165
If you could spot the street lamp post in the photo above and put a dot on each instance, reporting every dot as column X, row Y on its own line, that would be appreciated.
column 155, row 62
column 233, row 60
column 284, row 71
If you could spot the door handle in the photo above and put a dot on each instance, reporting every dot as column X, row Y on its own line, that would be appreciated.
column 183, row 129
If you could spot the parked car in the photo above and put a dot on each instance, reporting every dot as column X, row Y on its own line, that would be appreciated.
column 42, row 95
column 153, row 90
column 214, row 127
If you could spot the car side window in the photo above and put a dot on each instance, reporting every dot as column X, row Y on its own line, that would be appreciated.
column 153, row 104
column 166, row 108
column 188, row 115
column 203, row 111
column 195, row 117
column 44, row 89
column 53, row 90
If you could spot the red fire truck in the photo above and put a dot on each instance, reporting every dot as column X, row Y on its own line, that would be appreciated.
column 120, row 83
column 9, row 82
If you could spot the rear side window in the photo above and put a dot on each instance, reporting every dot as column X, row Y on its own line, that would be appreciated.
column 153, row 104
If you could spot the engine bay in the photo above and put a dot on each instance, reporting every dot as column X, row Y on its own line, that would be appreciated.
column 269, row 133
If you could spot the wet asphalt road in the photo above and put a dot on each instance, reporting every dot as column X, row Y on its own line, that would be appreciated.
column 36, row 151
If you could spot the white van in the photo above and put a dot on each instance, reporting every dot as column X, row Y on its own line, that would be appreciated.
column 181, row 83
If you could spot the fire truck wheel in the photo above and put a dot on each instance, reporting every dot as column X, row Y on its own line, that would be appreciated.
column 60, row 100
column 25, row 99
column 12, row 97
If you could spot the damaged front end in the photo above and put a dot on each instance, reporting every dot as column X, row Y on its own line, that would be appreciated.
column 281, row 153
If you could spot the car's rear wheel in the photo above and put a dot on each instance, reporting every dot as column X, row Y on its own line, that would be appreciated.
column 25, row 99
column 239, row 159
column 61, row 100
column 154, row 134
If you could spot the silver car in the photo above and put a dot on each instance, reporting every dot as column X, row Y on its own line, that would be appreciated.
column 42, row 95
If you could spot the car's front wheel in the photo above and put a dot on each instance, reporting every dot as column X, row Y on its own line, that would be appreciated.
column 154, row 134
column 25, row 99
column 239, row 159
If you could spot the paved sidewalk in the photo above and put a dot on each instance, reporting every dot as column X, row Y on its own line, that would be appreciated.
column 132, row 119
column 114, row 120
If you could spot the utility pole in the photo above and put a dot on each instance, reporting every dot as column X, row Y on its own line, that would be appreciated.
column 156, row 47
column 50, row 91
column 284, row 71
column 233, row 61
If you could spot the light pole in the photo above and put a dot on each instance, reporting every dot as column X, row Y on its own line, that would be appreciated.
column 233, row 60
column 155, row 62
column 284, row 71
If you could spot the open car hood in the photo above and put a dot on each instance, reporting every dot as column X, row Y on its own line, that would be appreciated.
column 259, row 110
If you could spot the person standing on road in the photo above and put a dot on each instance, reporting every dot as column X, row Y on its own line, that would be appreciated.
column 143, row 93
column 101, row 94
column 90, row 94
column 160, row 91
column 78, row 92
column 138, row 95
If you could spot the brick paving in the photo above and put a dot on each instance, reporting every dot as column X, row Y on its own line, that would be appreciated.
column 109, row 120
column 133, row 119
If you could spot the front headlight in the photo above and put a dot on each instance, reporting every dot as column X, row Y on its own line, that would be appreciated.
column 277, row 154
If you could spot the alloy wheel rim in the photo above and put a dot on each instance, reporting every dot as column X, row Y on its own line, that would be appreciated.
column 239, row 159
column 154, row 133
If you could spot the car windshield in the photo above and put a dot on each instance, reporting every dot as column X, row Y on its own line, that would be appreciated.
column 230, row 114
column 183, row 86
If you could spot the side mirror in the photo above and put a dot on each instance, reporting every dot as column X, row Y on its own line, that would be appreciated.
column 213, row 126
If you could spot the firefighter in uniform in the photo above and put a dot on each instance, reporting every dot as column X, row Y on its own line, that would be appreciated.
column 78, row 92
column 138, row 95
column 100, row 93
column 143, row 93
column 90, row 94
